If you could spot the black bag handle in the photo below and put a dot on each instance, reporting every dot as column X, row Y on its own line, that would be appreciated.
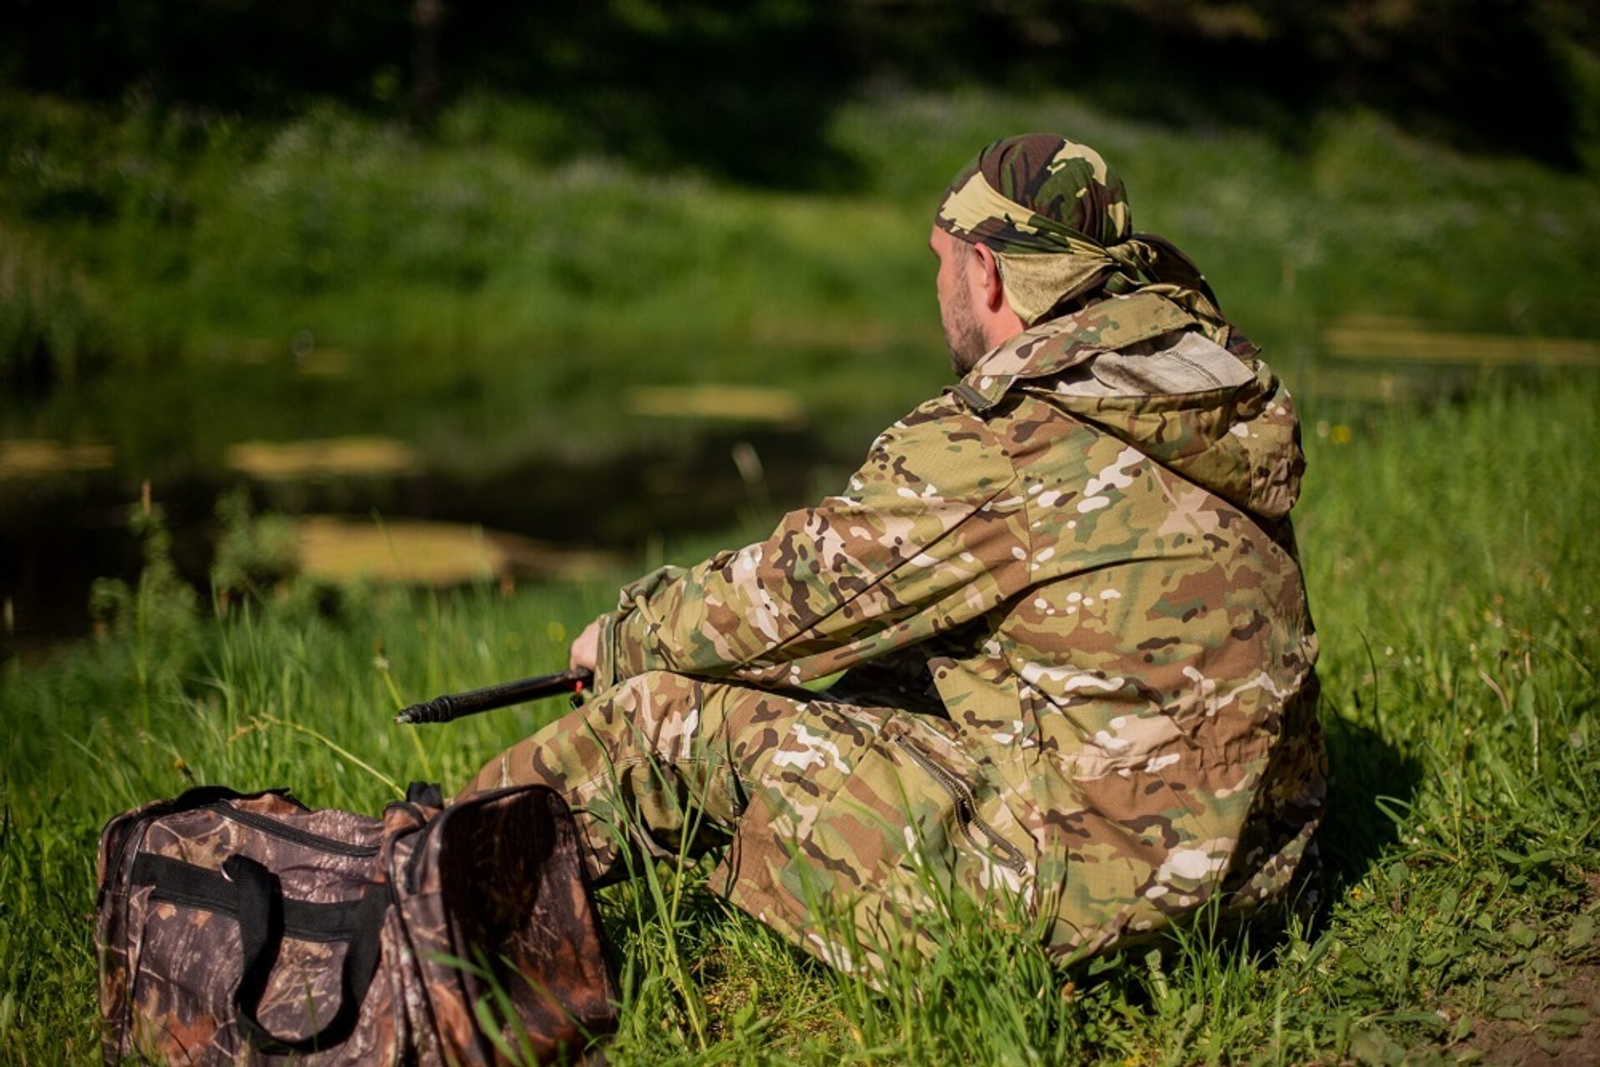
column 260, row 907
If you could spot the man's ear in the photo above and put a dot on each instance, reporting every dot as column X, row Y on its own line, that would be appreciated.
column 990, row 288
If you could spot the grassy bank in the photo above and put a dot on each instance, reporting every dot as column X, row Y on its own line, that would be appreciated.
column 488, row 268
column 1455, row 580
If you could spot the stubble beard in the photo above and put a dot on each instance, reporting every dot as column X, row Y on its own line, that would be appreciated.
column 964, row 337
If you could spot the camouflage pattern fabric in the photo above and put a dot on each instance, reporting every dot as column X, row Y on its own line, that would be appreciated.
column 849, row 826
column 1079, row 680
column 238, row 929
column 1057, row 217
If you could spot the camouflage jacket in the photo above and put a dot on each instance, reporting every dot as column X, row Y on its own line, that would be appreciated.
column 1085, row 546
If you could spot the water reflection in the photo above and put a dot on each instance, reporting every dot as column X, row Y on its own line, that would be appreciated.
column 374, row 509
column 327, row 458
column 529, row 466
column 44, row 458
column 1369, row 339
column 738, row 403
column 340, row 550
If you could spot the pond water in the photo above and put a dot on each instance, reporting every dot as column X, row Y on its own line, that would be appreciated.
column 380, row 489
column 468, row 475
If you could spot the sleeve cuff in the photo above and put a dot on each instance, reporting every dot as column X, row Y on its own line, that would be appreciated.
column 627, row 647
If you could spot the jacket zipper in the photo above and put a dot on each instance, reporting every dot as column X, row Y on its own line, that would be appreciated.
column 966, row 809
column 267, row 824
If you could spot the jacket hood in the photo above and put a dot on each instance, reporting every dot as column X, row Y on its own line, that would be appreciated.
column 1144, row 370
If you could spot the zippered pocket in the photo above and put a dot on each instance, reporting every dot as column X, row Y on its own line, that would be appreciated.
column 972, row 825
column 268, row 825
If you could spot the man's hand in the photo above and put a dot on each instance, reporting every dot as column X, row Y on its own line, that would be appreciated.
column 585, row 651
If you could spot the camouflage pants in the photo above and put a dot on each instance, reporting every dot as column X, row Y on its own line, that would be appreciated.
column 848, row 828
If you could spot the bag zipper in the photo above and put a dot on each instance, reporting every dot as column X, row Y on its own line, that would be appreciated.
column 267, row 824
column 421, row 836
column 967, row 817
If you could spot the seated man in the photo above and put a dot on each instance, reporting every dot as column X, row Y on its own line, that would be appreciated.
column 1049, row 650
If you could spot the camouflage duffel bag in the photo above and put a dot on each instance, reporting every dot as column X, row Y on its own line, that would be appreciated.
column 245, row 929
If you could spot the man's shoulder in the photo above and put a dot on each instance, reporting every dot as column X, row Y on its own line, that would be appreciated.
column 945, row 410
column 945, row 434
column 938, row 442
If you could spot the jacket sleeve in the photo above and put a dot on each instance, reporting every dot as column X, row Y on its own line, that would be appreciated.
column 928, row 536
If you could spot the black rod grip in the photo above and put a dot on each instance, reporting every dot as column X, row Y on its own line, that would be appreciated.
column 456, row 705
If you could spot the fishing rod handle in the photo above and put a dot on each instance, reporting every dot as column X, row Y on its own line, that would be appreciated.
column 453, row 706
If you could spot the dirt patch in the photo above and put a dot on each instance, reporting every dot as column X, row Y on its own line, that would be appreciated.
column 1542, row 1041
column 1564, row 1029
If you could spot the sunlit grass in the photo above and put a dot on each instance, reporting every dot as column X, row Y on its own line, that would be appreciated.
column 1454, row 578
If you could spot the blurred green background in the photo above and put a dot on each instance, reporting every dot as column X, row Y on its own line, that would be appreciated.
column 610, row 273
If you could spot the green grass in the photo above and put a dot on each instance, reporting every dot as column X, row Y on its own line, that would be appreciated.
column 1454, row 576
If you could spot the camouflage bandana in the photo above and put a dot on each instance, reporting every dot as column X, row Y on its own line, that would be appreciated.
column 1057, row 218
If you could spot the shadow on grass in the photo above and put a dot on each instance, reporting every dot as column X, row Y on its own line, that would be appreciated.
column 1366, row 774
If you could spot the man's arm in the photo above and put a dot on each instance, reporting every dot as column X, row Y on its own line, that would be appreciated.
column 928, row 537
